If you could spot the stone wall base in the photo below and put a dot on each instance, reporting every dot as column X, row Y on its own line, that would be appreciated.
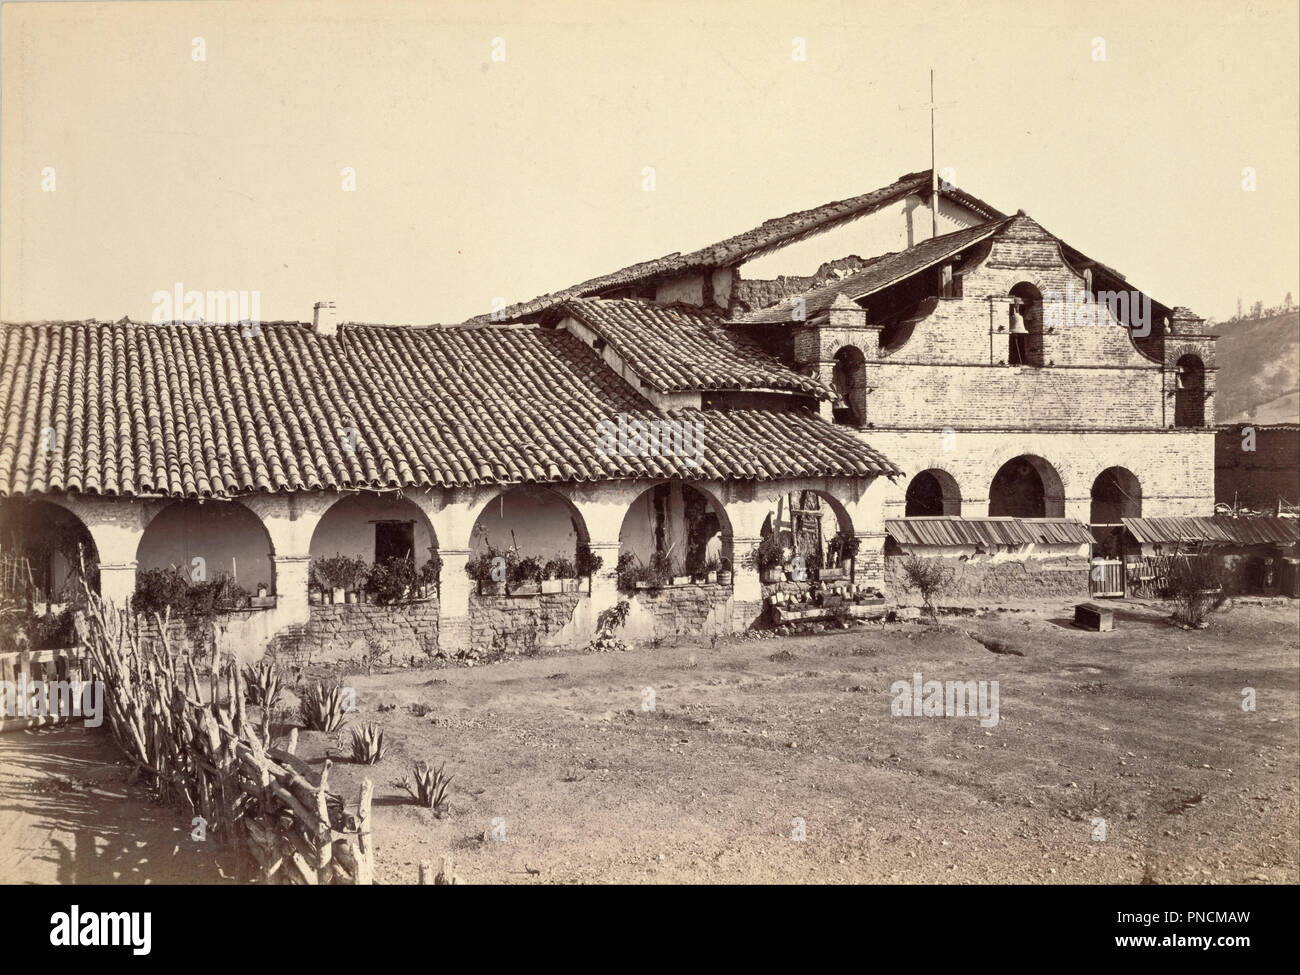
column 997, row 579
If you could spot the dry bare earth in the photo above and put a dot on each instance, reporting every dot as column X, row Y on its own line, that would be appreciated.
column 1142, row 726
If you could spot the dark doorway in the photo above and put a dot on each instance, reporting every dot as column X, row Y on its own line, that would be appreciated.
column 394, row 540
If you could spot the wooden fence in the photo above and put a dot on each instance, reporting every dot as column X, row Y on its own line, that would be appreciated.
column 38, row 665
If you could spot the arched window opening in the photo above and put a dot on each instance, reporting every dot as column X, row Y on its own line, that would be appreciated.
column 207, row 540
column 850, row 382
column 365, row 530
column 539, row 538
column 1189, row 392
column 933, row 493
column 1116, row 495
column 1025, row 326
column 674, row 530
column 42, row 548
column 1027, row 487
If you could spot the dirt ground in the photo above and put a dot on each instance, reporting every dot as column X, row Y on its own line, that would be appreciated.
column 1142, row 727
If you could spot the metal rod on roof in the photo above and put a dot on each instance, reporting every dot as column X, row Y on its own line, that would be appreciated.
column 934, row 173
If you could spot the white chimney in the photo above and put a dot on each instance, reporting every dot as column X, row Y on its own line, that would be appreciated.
column 324, row 320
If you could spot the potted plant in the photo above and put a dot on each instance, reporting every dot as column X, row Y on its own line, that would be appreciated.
column 338, row 574
column 843, row 549
column 480, row 568
column 556, row 575
column 586, row 563
column 769, row 556
column 724, row 571
column 430, row 575
column 711, row 570
column 262, row 599
column 660, row 571
column 526, row 578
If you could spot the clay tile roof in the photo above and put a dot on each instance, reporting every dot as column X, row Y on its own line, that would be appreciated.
column 200, row 410
column 766, row 237
column 675, row 348
column 879, row 273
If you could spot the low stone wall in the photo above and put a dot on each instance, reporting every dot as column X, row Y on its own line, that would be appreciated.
column 691, row 610
column 520, row 624
column 244, row 633
column 994, row 579
column 345, row 630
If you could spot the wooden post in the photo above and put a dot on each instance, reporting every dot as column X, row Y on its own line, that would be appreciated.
column 426, row 873
column 324, row 834
column 365, row 848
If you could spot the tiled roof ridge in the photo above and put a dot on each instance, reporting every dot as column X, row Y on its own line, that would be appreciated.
column 683, row 347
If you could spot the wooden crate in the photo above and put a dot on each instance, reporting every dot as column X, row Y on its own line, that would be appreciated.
column 1091, row 616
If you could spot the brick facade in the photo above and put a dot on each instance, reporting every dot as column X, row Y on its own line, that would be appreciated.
column 941, row 394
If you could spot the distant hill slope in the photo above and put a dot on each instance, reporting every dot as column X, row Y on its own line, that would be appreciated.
column 1259, row 370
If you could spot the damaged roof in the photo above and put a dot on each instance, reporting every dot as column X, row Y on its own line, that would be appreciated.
column 204, row 410
column 676, row 348
column 878, row 274
column 766, row 237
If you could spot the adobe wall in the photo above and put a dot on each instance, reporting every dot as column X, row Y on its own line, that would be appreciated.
column 997, row 579
column 348, row 630
column 522, row 624
column 693, row 610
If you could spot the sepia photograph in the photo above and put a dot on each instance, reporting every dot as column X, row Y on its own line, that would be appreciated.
column 650, row 443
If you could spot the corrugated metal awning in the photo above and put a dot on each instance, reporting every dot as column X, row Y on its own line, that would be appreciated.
column 952, row 530
column 1218, row 530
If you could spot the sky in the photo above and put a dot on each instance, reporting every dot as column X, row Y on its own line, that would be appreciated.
column 500, row 150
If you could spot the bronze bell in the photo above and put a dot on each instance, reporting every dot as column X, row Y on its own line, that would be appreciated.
column 1017, row 321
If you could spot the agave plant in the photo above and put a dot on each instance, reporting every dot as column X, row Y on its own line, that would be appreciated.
column 264, row 684
column 429, row 786
column 367, row 744
column 321, row 707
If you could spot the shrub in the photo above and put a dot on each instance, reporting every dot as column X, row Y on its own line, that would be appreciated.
column 608, row 622
column 626, row 570
column 158, row 589
column 929, row 577
column 321, row 707
column 197, row 603
column 479, row 568
column 368, row 744
column 771, row 552
column 263, row 684
column 587, row 563
column 393, row 581
column 842, row 547
column 429, row 786
column 660, row 570
column 559, row 569
column 524, row 570
column 340, row 572
column 431, row 571
column 1198, row 585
